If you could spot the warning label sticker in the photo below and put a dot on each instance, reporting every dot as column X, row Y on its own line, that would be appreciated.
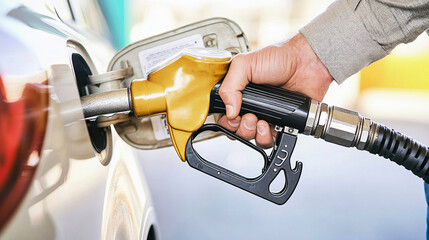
column 151, row 57
column 160, row 127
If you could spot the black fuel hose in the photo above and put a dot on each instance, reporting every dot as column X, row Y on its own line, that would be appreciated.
column 401, row 149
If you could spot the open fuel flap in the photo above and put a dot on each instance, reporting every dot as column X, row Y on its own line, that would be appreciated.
column 133, row 62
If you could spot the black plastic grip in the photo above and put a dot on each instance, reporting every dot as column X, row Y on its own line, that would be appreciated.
column 272, row 104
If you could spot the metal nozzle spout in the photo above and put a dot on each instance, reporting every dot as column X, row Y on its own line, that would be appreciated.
column 106, row 103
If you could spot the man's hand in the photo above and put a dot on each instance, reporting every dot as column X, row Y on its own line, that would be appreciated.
column 291, row 65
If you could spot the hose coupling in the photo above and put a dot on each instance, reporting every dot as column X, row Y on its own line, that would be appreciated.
column 338, row 125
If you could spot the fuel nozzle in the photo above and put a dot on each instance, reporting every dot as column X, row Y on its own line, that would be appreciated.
column 178, row 87
column 186, row 89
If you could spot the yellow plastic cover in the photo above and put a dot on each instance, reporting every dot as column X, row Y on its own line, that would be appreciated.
column 180, row 87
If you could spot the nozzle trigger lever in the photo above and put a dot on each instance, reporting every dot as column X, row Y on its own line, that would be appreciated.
column 278, row 160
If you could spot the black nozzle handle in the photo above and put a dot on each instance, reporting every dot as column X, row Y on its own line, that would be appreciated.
column 273, row 104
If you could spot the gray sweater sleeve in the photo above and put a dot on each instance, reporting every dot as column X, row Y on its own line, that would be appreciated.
column 351, row 34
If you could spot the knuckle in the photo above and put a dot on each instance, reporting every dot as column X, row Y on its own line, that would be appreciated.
column 246, row 134
column 238, row 60
column 238, row 57
column 250, row 117
column 230, row 125
column 223, row 91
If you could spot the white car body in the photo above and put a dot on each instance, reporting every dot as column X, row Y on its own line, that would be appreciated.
column 71, row 195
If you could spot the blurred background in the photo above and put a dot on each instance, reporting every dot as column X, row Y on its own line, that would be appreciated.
column 344, row 193
column 397, row 82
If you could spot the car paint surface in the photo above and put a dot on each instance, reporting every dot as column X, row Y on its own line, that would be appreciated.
column 72, row 195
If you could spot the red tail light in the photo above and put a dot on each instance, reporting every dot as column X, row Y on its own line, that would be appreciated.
column 22, row 129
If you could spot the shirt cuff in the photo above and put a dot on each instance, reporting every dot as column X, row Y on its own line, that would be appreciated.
column 341, row 41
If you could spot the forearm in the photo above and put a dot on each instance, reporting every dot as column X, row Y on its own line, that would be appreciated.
column 351, row 34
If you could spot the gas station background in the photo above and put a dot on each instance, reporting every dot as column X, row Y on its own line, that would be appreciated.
column 399, row 81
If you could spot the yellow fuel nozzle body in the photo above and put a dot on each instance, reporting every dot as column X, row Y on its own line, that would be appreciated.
column 180, row 88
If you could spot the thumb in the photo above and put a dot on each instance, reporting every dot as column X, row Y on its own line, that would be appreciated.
column 235, row 81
